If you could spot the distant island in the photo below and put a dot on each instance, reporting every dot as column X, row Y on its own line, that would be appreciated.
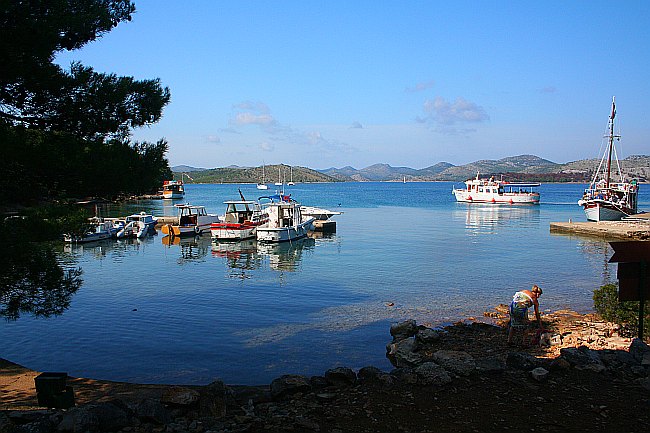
column 528, row 168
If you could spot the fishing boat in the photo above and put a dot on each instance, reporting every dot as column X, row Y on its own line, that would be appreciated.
column 137, row 225
column 173, row 189
column 494, row 191
column 604, row 199
column 98, row 230
column 192, row 220
column 262, row 184
column 286, row 222
column 241, row 220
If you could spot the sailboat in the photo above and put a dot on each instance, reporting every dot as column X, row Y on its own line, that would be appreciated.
column 290, row 183
column 262, row 185
column 606, row 200
column 279, row 182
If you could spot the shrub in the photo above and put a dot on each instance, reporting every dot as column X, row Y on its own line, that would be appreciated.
column 626, row 313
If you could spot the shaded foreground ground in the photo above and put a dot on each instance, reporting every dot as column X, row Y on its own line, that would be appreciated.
column 573, row 397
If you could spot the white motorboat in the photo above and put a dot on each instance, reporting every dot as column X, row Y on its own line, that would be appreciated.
column 192, row 220
column 99, row 229
column 241, row 220
column 137, row 225
column 493, row 191
column 173, row 189
column 286, row 222
column 606, row 200
column 318, row 213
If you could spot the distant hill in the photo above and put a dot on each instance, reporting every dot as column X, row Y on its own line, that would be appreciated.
column 254, row 175
column 185, row 169
column 513, row 168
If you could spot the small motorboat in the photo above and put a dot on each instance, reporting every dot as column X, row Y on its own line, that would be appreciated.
column 137, row 225
column 286, row 222
column 99, row 229
column 192, row 220
column 241, row 220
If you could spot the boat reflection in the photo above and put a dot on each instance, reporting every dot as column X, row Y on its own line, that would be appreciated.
column 488, row 218
column 286, row 256
column 241, row 257
column 100, row 249
column 193, row 248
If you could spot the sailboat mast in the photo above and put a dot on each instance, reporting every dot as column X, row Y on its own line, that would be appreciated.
column 611, row 142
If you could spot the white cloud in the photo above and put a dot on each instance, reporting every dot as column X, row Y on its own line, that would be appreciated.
column 253, row 119
column 213, row 139
column 548, row 89
column 266, row 146
column 420, row 87
column 445, row 115
column 356, row 125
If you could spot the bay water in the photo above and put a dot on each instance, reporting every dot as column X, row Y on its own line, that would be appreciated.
column 191, row 311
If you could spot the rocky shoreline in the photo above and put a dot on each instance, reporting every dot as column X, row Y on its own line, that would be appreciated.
column 579, row 376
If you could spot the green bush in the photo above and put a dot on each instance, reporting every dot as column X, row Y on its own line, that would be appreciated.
column 626, row 313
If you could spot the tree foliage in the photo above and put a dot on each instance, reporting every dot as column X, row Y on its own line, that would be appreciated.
column 66, row 132
column 626, row 313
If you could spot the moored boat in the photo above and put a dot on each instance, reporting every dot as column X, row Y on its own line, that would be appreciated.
column 492, row 191
column 99, row 229
column 192, row 220
column 262, row 184
column 286, row 222
column 173, row 189
column 137, row 225
column 605, row 200
column 241, row 220
column 319, row 214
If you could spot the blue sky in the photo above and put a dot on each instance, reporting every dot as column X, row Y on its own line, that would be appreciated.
column 410, row 83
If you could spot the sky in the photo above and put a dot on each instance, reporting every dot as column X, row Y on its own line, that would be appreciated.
column 325, row 84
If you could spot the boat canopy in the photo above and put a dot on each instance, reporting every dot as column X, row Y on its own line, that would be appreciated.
column 520, row 185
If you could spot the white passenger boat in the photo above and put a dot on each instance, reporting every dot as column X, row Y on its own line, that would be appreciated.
column 173, row 189
column 99, row 229
column 606, row 200
column 137, row 225
column 192, row 220
column 286, row 222
column 241, row 220
column 493, row 191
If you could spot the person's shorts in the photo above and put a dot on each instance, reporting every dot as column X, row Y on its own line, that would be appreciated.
column 518, row 316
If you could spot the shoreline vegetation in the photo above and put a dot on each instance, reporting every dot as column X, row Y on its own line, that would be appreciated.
column 580, row 375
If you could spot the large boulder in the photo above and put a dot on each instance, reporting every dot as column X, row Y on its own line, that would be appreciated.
column 640, row 351
column 289, row 384
column 100, row 417
column 150, row 410
column 213, row 399
column 460, row 363
column 402, row 353
column 430, row 373
column 426, row 338
column 521, row 361
column 340, row 377
column 582, row 358
column 403, row 330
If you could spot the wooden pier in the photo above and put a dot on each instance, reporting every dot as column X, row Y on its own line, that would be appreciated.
column 637, row 228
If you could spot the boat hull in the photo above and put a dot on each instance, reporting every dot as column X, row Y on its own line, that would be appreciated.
column 465, row 196
column 284, row 234
column 232, row 232
column 598, row 210
column 173, row 195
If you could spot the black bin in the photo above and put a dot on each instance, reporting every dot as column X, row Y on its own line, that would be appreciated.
column 52, row 391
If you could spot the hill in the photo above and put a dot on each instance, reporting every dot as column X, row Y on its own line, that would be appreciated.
column 513, row 168
column 235, row 174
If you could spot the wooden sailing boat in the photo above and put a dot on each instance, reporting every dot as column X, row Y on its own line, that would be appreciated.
column 605, row 200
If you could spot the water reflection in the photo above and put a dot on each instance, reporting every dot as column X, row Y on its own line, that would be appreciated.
column 487, row 219
column 240, row 257
column 192, row 248
column 286, row 256
column 32, row 281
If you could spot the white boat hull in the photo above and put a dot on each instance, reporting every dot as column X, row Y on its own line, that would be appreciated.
column 284, row 234
column 490, row 198
column 233, row 232
column 598, row 210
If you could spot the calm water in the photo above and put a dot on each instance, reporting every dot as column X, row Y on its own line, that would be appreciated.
column 194, row 310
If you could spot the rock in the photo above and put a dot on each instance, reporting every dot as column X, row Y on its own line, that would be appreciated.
column 306, row 423
column 638, row 349
column 560, row 364
column 644, row 383
column 549, row 339
column 491, row 364
column 149, row 410
column 403, row 354
column 426, row 338
column 100, row 417
column 340, row 376
column 581, row 356
column 521, row 361
column 460, row 363
column 289, row 384
column 430, row 373
column 6, row 426
column 375, row 375
column 403, row 330
column 180, row 396
column 405, row 374
column 318, row 382
column 213, row 399
column 539, row 374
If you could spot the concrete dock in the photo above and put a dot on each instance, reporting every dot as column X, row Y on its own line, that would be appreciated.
column 637, row 228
